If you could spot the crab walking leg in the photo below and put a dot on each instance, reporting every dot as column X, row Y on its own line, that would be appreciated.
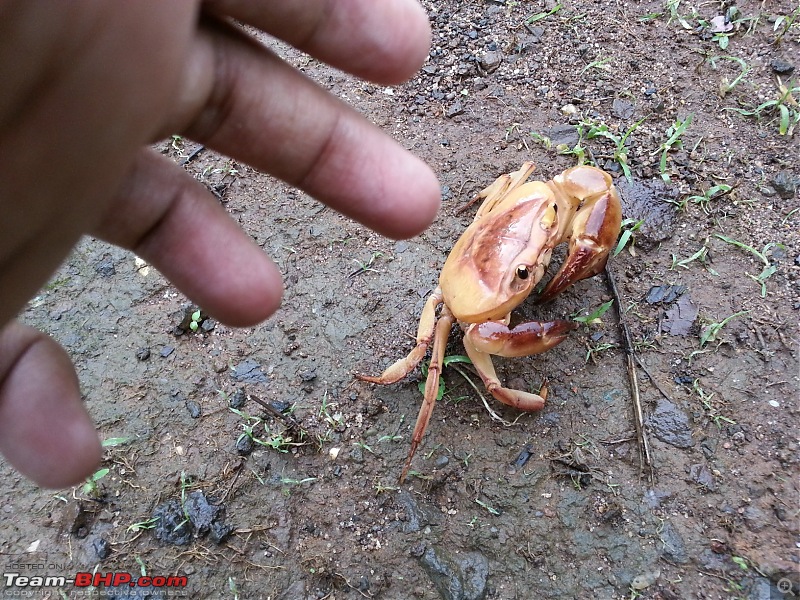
column 481, row 340
column 404, row 366
column 443, row 327
column 593, row 230
column 498, row 190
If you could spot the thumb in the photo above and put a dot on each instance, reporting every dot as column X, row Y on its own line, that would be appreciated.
column 45, row 432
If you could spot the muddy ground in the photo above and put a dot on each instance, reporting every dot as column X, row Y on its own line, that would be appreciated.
column 297, row 497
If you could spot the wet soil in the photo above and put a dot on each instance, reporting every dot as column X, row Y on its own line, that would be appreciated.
column 278, row 471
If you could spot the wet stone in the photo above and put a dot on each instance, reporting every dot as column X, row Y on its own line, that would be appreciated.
column 671, row 425
column 463, row 578
column 195, row 411
column 105, row 267
column 307, row 375
column 200, row 512
column 700, row 474
column 622, row 109
column 563, row 135
column 649, row 201
column 491, row 60
column 665, row 294
column 238, row 399
column 416, row 517
column 674, row 547
column 680, row 318
column 455, row 109
column 101, row 547
column 785, row 184
column 166, row 351
column 441, row 462
column 281, row 405
column 781, row 67
column 249, row 371
column 522, row 458
column 171, row 525
column 245, row 445
column 755, row 518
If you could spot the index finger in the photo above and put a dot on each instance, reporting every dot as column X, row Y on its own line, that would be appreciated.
column 384, row 41
column 242, row 100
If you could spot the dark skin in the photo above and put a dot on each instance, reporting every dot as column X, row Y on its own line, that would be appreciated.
column 88, row 86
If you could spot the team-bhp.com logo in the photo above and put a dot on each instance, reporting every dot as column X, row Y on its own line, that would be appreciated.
column 85, row 580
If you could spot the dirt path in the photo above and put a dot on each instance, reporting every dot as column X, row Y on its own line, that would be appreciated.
column 299, row 499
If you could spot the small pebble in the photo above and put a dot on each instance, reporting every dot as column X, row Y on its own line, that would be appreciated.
column 194, row 409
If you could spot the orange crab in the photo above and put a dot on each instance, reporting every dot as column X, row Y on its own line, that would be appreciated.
column 495, row 265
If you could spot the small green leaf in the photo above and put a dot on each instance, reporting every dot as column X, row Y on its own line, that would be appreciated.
column 783, row 128
column 742, row 562
column 98, row 475
column 456, row 358
column 112, row 442
column 594, row 316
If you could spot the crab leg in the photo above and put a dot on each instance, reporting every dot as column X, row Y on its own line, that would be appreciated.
column 593, row 229
column 404, row 366
column 443, row 327
column 481, row 340
column 498, row 190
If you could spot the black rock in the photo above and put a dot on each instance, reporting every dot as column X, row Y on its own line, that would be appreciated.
column 249, row 371
column 700, row 474
column 650, row 202
column 307, row 375
column 664, row 293
column 622, row 109
column 785, row 184
column 105, row 267
column 674, row 546
column 563, row 135
column 201, row 513
column 491, row 60
column 455, row 109
column 172, row 527
column 143, row 354
column 245, row 445
column 220, row 532
column 281, row 405
column 671, row 425
column 461, row 578
column 101, row 548
column 781, row 67
column 238, row 399
column 195, row 411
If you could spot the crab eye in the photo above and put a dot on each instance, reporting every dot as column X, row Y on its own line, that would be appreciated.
column 522, row 272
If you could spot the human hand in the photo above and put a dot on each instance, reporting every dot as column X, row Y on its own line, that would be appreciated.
column 87, row 86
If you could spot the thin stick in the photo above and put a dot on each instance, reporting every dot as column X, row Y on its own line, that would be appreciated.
column 290, row 421
column 195, row 153
column 645, row 458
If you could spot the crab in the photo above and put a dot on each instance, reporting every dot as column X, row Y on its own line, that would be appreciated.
column 496, row 264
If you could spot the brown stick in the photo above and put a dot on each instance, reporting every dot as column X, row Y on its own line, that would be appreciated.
column 645, row 457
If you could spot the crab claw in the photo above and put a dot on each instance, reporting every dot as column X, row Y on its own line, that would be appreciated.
column 532, row 337
column 592, row 229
